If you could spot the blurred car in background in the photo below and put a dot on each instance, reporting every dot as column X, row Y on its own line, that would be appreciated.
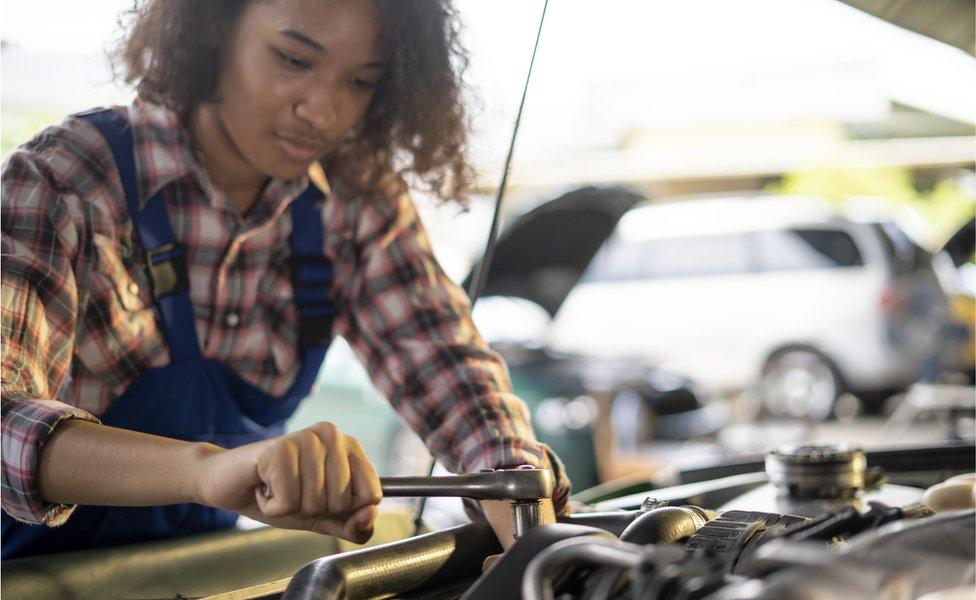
column 957, row 271
column 610, row 418
column 791, row 296
column 598, row 299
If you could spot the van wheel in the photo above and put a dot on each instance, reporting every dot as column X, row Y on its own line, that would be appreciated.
column 799, row 383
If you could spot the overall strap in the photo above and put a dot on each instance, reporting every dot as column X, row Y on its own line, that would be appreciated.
column 164, row 256
column 312, row 276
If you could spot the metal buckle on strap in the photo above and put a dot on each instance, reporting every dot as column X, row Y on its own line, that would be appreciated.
column 167, row 270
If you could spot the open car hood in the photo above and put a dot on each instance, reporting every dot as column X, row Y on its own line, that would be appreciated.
column 542, row 255
column 962, row 244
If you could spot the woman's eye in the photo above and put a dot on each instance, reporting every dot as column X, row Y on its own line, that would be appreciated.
column 292, row 62
column 364, row 84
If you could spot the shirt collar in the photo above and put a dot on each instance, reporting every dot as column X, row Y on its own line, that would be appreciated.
column 163, row 151
column 280, row 194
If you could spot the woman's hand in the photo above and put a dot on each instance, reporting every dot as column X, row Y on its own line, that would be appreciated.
column 315, row 479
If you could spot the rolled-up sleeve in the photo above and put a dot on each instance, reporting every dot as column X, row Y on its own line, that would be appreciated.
column 27, row 424
column 37, row 323
column 412, row 328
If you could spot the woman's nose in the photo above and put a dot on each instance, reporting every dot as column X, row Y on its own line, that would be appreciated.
column 318, row 110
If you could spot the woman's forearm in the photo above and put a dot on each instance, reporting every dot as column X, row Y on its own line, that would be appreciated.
column 319, row 479
column 88, row 463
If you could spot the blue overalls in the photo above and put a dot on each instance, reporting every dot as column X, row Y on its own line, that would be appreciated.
column 191, row 398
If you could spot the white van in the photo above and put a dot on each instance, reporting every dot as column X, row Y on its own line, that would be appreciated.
column 786, row 293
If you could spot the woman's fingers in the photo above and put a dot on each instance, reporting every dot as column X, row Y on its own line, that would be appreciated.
column 335, row 527
column 346, row 528
column 318, row 479
column 337, row 469
column 366, row 490
column 313, row 460
column 358, row 527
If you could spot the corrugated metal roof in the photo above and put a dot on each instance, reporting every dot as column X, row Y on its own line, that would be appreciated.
column 949, row 21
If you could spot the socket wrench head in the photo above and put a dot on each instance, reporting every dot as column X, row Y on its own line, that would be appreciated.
column 525, row 516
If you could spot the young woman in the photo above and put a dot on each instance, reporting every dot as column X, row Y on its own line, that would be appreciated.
column 174, row 270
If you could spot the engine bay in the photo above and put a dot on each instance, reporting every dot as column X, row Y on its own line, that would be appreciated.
column 817, row 522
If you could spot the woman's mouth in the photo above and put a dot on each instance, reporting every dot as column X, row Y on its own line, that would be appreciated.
column 298, row 149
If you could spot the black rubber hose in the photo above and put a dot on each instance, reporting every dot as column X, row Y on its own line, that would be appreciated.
column 666, row 525
column 428, row 560
column 605, row 583
column 657, row 526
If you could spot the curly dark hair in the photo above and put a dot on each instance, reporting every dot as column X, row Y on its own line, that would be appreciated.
column 416, row 127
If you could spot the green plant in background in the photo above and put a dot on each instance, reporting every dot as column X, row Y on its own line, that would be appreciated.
column 20, row 126
column 944, row 208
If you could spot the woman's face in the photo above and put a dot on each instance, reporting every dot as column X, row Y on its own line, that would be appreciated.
column 298, row 76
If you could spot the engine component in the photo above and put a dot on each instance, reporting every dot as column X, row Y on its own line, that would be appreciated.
column 652, row 571
column 816, row 479
column 657, row 525
column 956, row 493
column 736, row 533
column 538, row 582
column 504, row 579
column 849, row 521
column 905, row 559
column 666, row 525
column 395, row 568
column 916, row 554
column 820, row 472
column 661, row 525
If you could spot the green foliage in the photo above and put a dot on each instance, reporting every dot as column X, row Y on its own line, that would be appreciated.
column 18, row 127
column 944, row 209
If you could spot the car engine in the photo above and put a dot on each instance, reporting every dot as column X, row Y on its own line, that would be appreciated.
column 818, row 522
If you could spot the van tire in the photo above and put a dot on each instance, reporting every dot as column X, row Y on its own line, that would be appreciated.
column 799, row 382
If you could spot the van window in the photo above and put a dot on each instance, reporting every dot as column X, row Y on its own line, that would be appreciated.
column 903, row 255
column 621, row 260
column 793, row 249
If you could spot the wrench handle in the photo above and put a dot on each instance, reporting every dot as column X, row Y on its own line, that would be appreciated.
column 513, row 484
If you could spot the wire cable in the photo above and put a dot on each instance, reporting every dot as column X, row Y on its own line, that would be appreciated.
column 480, row 277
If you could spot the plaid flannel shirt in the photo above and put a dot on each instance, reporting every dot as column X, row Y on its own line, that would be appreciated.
column 78, row 322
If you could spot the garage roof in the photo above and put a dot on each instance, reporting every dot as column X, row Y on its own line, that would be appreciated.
column 949, row 21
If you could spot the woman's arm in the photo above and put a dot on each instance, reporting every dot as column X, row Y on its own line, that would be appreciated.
column 39, row 303
column 412, row 328
column 315, row 479
column 89, row 463
column 55, row 454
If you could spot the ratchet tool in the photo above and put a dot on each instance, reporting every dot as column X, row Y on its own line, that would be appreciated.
column 523, row 487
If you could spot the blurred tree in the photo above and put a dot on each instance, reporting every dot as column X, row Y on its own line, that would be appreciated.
column 944, row 209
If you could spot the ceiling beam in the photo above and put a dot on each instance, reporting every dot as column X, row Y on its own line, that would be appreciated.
column 951, row 22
